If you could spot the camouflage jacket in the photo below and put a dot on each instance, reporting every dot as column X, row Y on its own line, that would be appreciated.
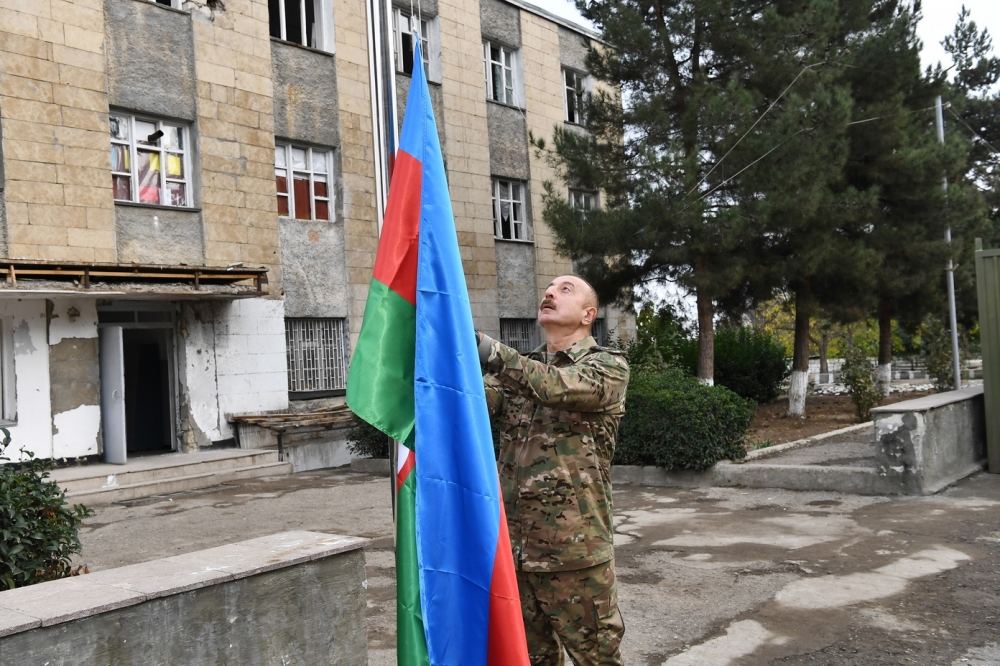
column 557, row 416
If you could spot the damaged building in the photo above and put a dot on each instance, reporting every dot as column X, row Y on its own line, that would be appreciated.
column 188, row 201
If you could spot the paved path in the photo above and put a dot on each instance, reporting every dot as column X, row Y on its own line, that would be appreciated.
column 854, row 449
column 708, row 576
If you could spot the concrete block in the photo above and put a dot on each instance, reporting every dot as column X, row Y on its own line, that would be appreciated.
column 67, row 599
column 929, row 443
column 230, row 604
column 12, row 622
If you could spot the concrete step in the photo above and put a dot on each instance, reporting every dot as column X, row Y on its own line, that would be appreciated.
column 156, row 468
column 175, row 484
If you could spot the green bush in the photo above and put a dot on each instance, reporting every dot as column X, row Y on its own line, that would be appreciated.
column 673, row 421
column 935, row 341
column 39, row 530
column 368, row 441
column 858, row 375
column 661, row 336
column 749, row 362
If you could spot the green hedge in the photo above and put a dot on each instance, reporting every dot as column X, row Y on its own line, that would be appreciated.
column 750, row 362
column 39, row 529
column 673, row 421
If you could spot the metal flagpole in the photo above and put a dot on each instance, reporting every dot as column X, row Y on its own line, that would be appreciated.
column 382, row 82
column 952, row 316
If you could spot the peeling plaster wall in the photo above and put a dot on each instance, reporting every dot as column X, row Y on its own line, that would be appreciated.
column 198, row 407
column 33, row 430
column 75, row 378
column 233, row 361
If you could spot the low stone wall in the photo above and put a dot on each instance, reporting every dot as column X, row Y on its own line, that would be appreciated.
column 287, row 598
column 929, row 443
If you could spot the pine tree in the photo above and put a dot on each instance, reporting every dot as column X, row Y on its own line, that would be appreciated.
column 895, row 157
column 680, row 68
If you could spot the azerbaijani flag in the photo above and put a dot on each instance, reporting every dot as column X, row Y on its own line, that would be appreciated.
column 415, row 375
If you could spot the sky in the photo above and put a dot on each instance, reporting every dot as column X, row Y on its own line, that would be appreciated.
column 938, row 21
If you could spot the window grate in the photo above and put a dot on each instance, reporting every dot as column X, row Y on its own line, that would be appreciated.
column 317, row 354
column 521, row 334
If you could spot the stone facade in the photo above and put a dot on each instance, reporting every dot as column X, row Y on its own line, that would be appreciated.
column 54, row 117
column 214, row 68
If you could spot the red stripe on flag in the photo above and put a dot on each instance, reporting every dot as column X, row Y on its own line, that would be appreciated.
column 396, row 258
column 404, row 472
column 506, row 643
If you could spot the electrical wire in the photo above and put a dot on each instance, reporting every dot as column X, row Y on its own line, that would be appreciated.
column 755, row 123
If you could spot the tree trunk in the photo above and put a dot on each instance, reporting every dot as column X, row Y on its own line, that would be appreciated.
column 824, row 349
column 706, row 338
column 883, row 374
column 799, row 382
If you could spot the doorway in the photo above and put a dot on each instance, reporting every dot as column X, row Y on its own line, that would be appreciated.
column 148, row 422
column 137, row 380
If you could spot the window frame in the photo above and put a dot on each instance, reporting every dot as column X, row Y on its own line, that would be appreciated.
column 173, row 4
column 402, row 21
column 322, row 24
column 297, row 368
column 511, row 65
column 133, row 150
column 498, row 201
column 576, row 195
column 579, row 94
column 286, row 147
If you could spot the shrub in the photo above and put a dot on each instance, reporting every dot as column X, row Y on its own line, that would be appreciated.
column 368, row 441
column 39, row 530
column 935, row 341
column 858, row 374
column 749, row 362
column 673, row 421
column 661, row 336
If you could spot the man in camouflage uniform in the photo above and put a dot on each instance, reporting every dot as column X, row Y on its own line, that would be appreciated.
column 557, row 410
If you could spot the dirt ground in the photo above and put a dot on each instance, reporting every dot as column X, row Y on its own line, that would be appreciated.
column 823, row 414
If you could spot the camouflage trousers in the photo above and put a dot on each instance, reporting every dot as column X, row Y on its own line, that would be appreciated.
column 575, row 610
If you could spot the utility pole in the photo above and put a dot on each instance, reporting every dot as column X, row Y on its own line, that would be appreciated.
column 952, row 316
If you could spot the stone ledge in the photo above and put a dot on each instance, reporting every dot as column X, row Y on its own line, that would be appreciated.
column 929, row 402
column 376, row 466
column 54, row 602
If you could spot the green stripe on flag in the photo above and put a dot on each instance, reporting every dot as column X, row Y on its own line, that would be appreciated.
column 380, row 381
column 380, row 391
column 411, row 646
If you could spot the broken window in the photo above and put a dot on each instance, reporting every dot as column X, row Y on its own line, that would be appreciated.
column 500, row 64
column 583, row 201
column 405, row 28
column 302, row 179
column 508, row 210
column 574, row 89
column 149, row 161
column 304, row 22
column 317, row 354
